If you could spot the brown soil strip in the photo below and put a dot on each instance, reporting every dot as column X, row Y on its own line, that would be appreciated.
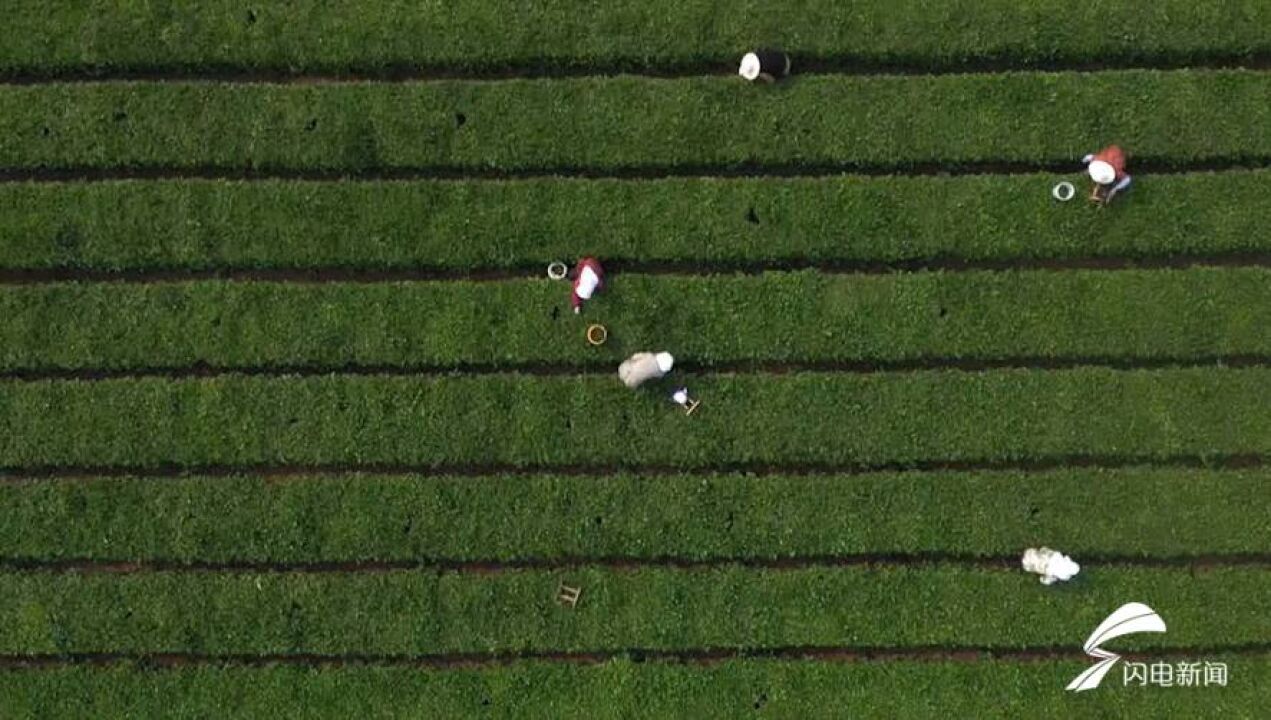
column 550, row 369
column 615, row 563
column 559, row 68
column 694, row 656
column 484, row 470
column 1142, row 165
column 677, row 268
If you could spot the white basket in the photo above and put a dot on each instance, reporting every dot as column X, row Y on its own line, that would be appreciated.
column 557, row 270
column 1063, row 192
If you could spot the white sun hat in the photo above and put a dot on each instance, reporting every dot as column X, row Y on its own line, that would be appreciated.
column 1102, row 173
column 665, row 361
column 749, row 66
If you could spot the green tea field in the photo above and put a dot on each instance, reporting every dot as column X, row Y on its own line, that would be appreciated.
column 294, row 424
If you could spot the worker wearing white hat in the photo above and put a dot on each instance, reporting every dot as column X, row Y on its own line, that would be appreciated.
column 766, row 65
column 1107, row 170
column 642, row 367
column 1052, row 565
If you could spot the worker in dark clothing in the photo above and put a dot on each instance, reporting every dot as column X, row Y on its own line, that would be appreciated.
column 765, row 65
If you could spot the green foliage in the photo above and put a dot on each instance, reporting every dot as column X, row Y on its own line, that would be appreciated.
column 544, row 421
column 701, row 123
column 625, row 689
column 353, row 517
column 555, row 34
column 428, row 613
column 1129, row 315
column 1168, row 118
column 459, row 225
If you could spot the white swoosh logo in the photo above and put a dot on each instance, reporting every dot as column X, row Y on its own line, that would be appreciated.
column 1126, row 620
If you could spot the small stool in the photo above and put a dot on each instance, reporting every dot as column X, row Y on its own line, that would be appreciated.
column 680, row 397
column 566, row 595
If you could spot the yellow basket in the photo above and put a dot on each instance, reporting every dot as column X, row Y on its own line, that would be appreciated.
column 597, row 335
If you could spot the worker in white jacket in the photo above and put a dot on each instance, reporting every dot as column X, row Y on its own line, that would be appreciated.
column 1052, row 565
column 642, row 367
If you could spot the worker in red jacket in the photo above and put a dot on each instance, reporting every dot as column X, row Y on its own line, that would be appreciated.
column 1107, row 170
column 588, row 278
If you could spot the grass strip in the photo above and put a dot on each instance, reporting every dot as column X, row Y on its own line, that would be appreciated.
column 556, row 34
column 1130, row 315
column 626, row 689
column 197, row 224
column 595, row 421
column 654, row 609
column 1167, row 118
column 1085, row 512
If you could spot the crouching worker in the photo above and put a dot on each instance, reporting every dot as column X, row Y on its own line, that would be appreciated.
column 1052, row 565
column 588, row 278
column 766, row 65
column 643, row 367
column 1107, row 170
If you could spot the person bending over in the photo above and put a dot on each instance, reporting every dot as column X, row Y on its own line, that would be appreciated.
column 1107, row 170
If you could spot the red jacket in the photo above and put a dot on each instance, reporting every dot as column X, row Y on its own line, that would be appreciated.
column 1114, row 156
column 586, row 263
